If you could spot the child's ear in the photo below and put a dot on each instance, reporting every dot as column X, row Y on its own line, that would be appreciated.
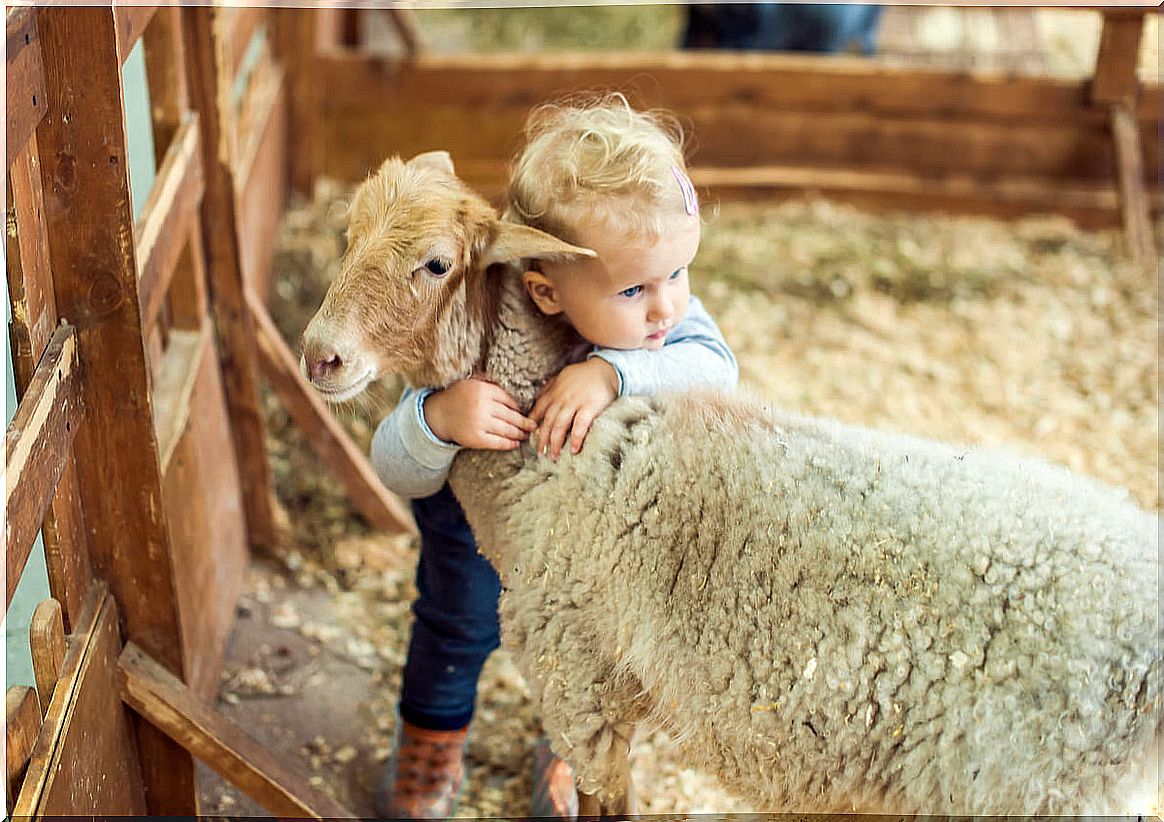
column 513, row 243
column 542, row 292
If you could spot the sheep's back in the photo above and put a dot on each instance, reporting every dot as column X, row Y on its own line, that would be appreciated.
column 850, row 612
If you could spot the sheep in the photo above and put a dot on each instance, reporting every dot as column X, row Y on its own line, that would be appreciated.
column 828, row 618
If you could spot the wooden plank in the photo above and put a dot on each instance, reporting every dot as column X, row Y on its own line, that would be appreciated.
column 296, row 47
column 131, row 22
column 84, row 760
column 165, row 61
column 90, row 228
column 207, row 527
column 25, row 83
column 155, row 694
column 1133, row 194
column 239, row 25
column 235, row 326
column 174, row 386
column 328, row 439
column 1117, row 58
column 261, row 189
column 404, row 21
column 22, row 720
column 46, row 635
column 163, row 230
column 36, row 447
column 34, row 317
column 683, row 80
column 355, row 139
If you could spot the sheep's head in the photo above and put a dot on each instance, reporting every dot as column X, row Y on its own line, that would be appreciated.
column 409, row 296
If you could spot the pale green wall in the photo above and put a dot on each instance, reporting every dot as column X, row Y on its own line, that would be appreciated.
column 34, row 581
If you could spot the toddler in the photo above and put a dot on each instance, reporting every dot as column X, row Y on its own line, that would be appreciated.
column 599, row 175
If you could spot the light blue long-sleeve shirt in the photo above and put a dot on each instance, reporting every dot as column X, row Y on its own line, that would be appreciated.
column 413, row 462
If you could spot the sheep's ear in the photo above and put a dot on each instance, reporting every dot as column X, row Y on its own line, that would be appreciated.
column 436, row 160
column 520, row 242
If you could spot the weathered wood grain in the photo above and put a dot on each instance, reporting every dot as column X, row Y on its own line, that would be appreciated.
column 89, row 221
column 163, row 231
column 84, row 760
column 37, row 446
column 22, row 719
column 235, row 326
column 203, row 509
column 165, row 61
column 155, row 694
column 46, row 636
column 25, row 80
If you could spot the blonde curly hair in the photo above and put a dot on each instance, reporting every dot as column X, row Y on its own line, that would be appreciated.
column 597, row 160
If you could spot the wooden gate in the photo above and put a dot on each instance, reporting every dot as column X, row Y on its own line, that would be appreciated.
column 146, row 478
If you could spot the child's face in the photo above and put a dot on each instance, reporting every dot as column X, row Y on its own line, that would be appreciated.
column 631, row 294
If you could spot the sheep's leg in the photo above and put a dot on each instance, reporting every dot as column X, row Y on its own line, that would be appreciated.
column 590, row 805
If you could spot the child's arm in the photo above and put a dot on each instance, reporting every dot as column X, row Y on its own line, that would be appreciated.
column 694, row 354
column 414, row 446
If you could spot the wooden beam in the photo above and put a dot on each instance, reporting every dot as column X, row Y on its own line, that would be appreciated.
column 34, row 319
column 25, row 83
column 175, row 385
column 37, row 446
column 84, row 760
column 334, row 447
column 297, row 49
column 236, row 347
column 404, row 21
column 130, row 22
column 261, row 183
column 1133, row 194
column 1117, row 58
column 161, row 699
column 22, row 720
column 163, row 230
column 89, row 219
column 239, row 25
column 683, row 80
column 165, row 61
column 46, row 637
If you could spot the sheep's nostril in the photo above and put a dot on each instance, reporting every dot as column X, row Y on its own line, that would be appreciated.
column 325, row 365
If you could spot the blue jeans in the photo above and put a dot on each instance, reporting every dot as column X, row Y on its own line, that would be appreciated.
column 456, row 626
column 822, row 27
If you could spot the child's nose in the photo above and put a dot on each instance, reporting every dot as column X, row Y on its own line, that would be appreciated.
column 659, row 310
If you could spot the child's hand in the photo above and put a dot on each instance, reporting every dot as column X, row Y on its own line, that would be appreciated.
column 476, row 413
column 576, row 395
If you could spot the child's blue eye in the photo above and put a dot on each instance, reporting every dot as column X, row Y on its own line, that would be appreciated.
column 633, row 291
column 676, row 274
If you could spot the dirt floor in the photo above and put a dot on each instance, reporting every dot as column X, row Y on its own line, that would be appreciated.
column 1032, row 335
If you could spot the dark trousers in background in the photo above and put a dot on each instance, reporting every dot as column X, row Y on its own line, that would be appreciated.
column 456, row 625
column 821, row 27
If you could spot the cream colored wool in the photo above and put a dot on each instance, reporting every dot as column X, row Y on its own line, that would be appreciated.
column 829, row 618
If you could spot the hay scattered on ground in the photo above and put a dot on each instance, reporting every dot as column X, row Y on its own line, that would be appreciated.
column 1033, row 334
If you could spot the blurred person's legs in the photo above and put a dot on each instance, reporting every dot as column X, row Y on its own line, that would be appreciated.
column 820, row 27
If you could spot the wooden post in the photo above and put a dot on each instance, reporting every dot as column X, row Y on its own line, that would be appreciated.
column 240, row 369
column 1116, row 86
column 87, row 211
column 296, row 44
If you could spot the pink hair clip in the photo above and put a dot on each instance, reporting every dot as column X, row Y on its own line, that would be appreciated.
column 690, row 201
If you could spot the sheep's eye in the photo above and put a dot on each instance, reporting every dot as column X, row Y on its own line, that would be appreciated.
column 438, row 267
